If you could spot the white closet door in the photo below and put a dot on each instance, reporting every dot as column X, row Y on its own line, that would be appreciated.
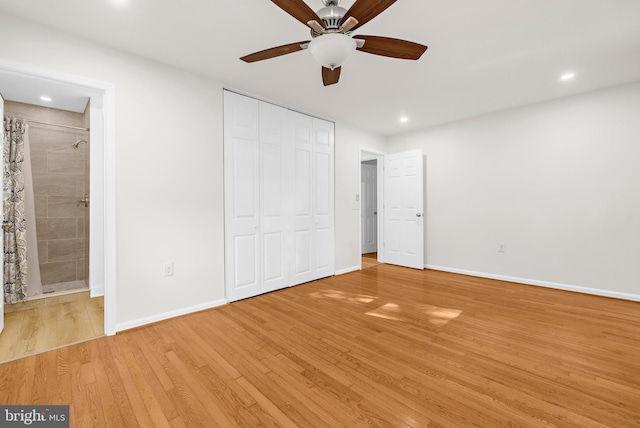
column 274, row 181
column 242, row 196
column 322, row 196
column 303, row 250
column 312, row 189
column 403, row 209
column 279, row 207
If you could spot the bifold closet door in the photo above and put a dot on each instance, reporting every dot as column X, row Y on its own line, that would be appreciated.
column 242, row 196
column 256, row 152
column 323, row 198
column 278, row 171
column 274, row 196
column 312, row 193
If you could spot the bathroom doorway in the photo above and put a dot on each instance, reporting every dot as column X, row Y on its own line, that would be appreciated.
column 54, row 191
column 92, row 249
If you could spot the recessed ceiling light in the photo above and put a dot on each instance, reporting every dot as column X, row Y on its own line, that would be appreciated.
column 47, row 99
column 404, row 119
column 567, row 77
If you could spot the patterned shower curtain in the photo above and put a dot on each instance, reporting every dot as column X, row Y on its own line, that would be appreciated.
column 14, row 223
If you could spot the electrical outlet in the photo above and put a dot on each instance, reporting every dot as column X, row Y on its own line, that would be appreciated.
column 167, row 269
column 502, row 248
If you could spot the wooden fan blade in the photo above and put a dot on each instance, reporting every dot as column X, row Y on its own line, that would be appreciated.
column 393, row 48
column 329, row 76
column 364, row 11
column 299, row 10
column 274, row 52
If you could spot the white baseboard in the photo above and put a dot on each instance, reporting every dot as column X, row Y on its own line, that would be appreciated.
column 171, row 314
column 347, row 270
column 97, row 291
column 556, row 285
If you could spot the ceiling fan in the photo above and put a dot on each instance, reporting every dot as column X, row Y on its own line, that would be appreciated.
column 332, row 39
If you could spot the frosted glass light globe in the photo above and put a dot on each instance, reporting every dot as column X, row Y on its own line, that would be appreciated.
column 332, row 50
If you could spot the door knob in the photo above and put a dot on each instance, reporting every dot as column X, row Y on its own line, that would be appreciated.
column 418, row 215
column 375, row 213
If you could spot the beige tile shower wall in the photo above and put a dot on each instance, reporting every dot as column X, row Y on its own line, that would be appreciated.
column 59, row 183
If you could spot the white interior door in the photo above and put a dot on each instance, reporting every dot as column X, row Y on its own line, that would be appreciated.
column 242, row 198
column 274, row 182
column 403, row 209
column 369, row 206
column 1, row 214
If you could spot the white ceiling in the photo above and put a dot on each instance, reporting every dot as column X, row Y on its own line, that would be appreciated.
column 483, row 56
column 30, row 89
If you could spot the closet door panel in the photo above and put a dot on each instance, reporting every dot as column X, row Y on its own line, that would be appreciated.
column 322, row 183
column 322, row 213
column 274, row 151
column 303, row 250
column 302, row 254
column 272, row 186
column 242, row 190
column 324, row 253
column 272, row 255
column 245, row 179
column 302, row 183
column 323, row 203
column 245, row 272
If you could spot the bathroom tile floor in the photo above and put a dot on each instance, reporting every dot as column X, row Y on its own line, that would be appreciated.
column 63, row 286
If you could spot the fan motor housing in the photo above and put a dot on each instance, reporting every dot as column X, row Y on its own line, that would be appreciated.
column 331, row 16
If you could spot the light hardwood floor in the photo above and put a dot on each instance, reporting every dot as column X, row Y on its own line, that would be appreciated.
column 43, row 324
column 369, row 260
column 385, row 346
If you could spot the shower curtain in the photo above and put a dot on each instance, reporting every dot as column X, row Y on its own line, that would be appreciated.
column 14, row 222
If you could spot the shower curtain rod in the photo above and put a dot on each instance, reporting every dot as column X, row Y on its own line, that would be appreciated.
column 55, row 124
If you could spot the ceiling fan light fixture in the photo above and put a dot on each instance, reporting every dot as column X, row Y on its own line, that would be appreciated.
column 332, row 50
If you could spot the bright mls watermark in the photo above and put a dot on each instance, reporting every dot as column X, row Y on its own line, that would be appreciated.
column 34, row 416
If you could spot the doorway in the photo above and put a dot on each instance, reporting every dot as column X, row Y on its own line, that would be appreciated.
column 371, row 214
column 23, row 83
column 369, row 206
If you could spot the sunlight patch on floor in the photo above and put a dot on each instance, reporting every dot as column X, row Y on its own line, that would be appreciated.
column 386, row 312
column 415, row 312
column 341, row 295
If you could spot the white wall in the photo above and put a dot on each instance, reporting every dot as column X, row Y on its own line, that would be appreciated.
column 349, row 140
column 558, row 183
column 168, row 168
column 169, row 187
